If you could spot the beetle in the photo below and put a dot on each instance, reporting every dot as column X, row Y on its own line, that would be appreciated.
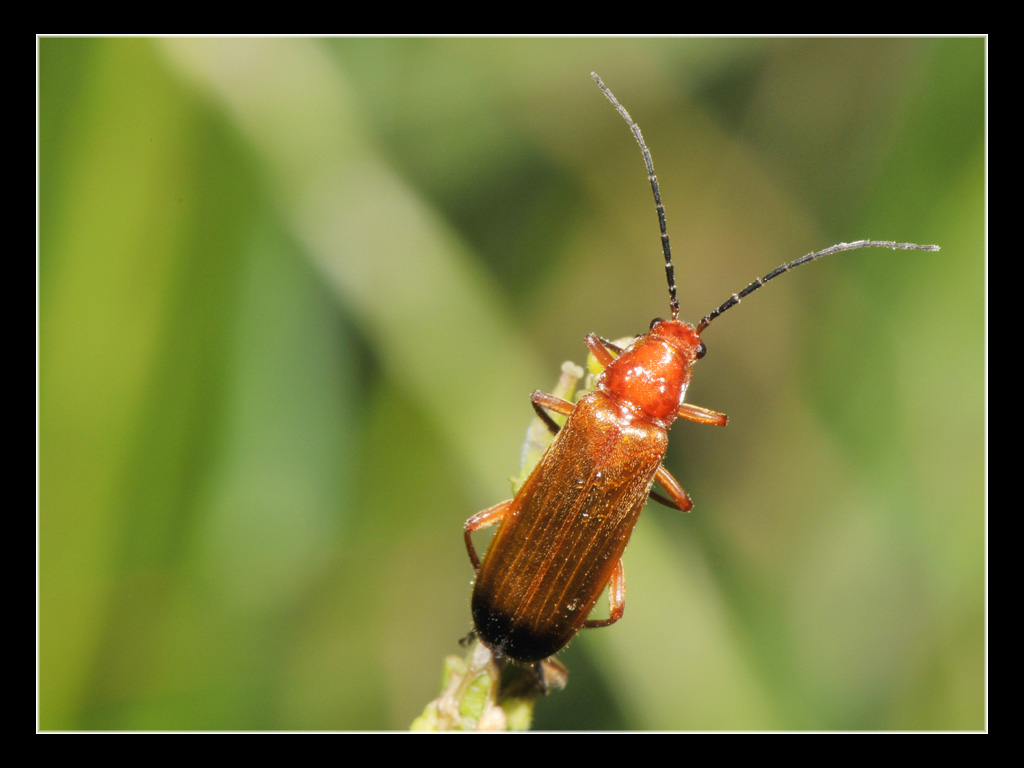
column 560, row 540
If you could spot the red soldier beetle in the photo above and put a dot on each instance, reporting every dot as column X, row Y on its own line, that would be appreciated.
column 560, row 539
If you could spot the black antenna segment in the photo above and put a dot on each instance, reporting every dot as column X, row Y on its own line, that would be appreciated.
column 670, row 272
column 839, row 248
column 736, row 297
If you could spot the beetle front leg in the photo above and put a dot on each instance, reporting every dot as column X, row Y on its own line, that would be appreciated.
column 483, row 519
column 603, row 350
column 616, row 599
column 702, row 415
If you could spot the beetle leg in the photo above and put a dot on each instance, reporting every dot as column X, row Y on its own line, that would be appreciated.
column 702, row 415
column 541, row 400
column 616, row 599
column 553, row 673
column 604, row 351
column 482, row 519
column 677, row 497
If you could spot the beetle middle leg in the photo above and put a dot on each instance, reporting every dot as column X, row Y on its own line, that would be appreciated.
column 542, row 402
column 677, row 497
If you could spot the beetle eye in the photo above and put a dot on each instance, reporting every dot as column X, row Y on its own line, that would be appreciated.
column 655, row 321
column 701, row 350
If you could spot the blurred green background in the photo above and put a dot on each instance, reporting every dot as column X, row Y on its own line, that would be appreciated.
column 294, row 295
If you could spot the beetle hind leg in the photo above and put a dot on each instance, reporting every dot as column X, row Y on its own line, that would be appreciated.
column 616, row 599
column 483, row 519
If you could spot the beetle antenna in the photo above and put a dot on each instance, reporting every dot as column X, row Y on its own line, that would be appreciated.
column 839, row 248
column 670, row 272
